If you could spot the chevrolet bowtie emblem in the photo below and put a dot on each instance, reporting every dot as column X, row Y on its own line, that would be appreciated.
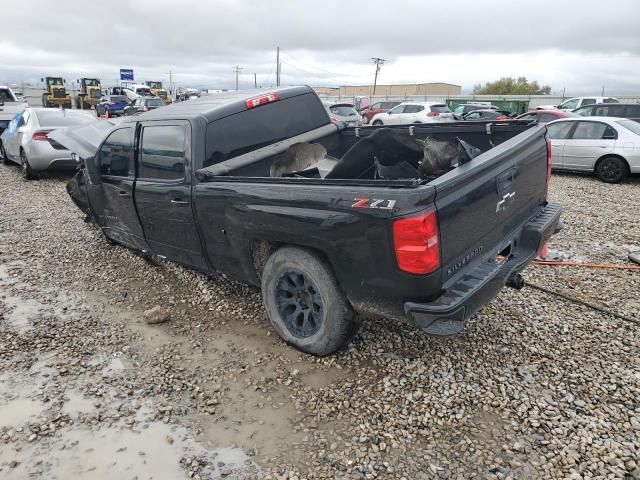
column 506, row 202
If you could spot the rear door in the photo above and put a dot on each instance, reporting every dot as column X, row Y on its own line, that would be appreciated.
column 558, row 132
column 163, row 191
column 588, row 141
column 112, row 197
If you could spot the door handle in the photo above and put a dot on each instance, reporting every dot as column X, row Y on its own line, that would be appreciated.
column 179, row 203
column 124, row 193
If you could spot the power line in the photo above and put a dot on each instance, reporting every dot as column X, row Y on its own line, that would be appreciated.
column 379, row 62
column 237, row 69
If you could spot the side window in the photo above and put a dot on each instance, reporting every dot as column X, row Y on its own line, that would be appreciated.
column 559, row 131
column 162, row 152
column 615, row 111
column 546, row 117
column 584, row 111
column 529, row 116
column 601, row 112
column 412, row 108
column 375, row 106
column 398, row 109
column 473, row 115
column 632, row 111
column 25, row 118
column 588, row 101
column 115, row 157
column 589, row 131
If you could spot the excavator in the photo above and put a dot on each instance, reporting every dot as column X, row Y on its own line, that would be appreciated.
column 90, row 93
column 157, row 90
column 55, row 94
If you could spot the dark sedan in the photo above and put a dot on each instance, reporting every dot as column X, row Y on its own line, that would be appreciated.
column 144, row 104
column 620, row 110
column 486, row 114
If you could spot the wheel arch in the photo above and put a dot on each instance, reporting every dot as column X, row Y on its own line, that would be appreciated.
column 608, row 155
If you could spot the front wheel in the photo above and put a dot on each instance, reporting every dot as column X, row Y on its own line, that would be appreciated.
column 27, row 171
column 377, row 123
column 304, row 302
column 612, row 170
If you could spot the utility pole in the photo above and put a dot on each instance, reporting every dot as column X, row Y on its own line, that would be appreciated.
column 379, row 62
column 170, row 83
column 603, row 91
column 237, row 70
column 277, row 66
column 255, row 80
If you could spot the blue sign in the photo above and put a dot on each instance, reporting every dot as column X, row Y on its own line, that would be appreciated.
column 126, row 74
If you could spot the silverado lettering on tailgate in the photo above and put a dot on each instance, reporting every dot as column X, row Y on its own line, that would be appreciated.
column 464, row 260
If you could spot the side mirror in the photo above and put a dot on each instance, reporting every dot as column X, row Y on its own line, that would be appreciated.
column 78, row 161
column 42, row 79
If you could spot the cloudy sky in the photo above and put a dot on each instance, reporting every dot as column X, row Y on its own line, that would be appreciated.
column 579, row 45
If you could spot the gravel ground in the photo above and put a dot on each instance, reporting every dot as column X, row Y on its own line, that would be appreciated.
column 535, row 387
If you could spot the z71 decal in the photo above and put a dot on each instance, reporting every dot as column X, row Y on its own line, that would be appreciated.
column 373, row 203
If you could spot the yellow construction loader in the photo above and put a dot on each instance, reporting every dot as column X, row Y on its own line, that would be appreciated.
column 90, row 93
column 55, row 94
column 157, row 90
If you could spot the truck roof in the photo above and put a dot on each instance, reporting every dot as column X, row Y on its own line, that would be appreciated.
column 216, row 106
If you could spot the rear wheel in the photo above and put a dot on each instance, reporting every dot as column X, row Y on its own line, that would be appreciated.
column 612, row 170
column 27, row 171
column 377, row 123
column 304, row 302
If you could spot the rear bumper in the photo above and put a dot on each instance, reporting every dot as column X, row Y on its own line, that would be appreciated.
column 446, row 315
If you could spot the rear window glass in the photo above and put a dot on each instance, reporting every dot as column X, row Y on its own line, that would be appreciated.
column 440, row 108
column 155, row 102
column 63, row 118
column 630, row 125
column 117, row 98
column 389, row 105
column 343, row 111
column 250, row 130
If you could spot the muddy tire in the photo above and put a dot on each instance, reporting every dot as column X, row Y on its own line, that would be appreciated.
column 304, row 302
column 377, row 123
column 612, row 169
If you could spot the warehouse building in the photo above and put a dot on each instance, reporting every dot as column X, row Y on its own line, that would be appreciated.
column 398, row 90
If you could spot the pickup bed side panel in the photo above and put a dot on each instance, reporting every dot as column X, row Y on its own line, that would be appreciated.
column 357, row 242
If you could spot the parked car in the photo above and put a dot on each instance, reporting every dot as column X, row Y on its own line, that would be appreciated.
column 26, row 141
column 465, row 108
column 10, row 105
column 112, row 105
column 619, row 110
column 19, row 96
column 369, row 236
column 606, row 146
column 414, row 112
column 144, row 104
column 545, row 116
column 485, row 115
column 577, row 102
column 344, row 112
column 379, row 107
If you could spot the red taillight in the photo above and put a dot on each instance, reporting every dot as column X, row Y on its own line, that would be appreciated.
column 415, row 240
column 546, row 190
column 432, row 114
column 502, row 117
column 42, row 136
column 262, row 100
column 145, row 109
column 334, row 120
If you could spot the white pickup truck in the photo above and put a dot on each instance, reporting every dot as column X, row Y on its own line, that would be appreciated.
column 9, row 106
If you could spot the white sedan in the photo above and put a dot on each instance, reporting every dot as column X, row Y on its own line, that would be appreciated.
column 606, row 146
column 414, row 112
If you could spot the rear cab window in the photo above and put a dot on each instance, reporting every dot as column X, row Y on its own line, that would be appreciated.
column 440, row 109
column 250, row 130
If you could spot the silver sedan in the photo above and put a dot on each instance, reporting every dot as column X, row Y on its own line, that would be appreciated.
column 606, row 146
column 26, row 141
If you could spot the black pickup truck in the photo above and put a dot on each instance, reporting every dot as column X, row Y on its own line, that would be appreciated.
column 420, row 222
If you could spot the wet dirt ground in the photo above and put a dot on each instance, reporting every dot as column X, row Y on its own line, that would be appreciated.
column 533, row 388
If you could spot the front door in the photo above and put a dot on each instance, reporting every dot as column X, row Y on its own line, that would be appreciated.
column 163, row 192
column 558, row 133
column 112, row 197
column 588, row 142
